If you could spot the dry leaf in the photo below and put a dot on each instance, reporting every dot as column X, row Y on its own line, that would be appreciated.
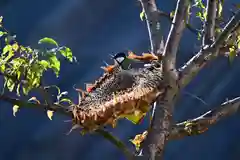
column 50, row 114
column 34, row 99
column 15, row 109
column 138, row 139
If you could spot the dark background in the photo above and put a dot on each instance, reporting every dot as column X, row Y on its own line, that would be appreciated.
column 94, row 29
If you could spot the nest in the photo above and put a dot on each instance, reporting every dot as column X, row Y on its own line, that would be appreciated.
column 113, row 99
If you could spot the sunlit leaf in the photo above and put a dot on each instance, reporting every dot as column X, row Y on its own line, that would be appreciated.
column 65, row 100
column 138, row 139
column 67, row 53
column 238, row 41
column 2, row 68
column 220, row 8
column 232, row 53
column 172, row 14
column 50, row 114
column 142, row 14
column 2, row 33
column 1, row 18
column 48, row 40
column 15, row 110
column 34, row 99
column 18, row 90
column 6, row 49
column 136, row 117
column 55, row 64
column 10, row 85
column 15, row 46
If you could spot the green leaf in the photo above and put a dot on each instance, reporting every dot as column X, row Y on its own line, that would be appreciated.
column 135, row 118
column 10, row 85
column 220, row 8
column 6, row 49
column 238, row 41
column 55, row 64
column 26, row 89
column 15, row 46
column 67, row 53
column 2, row 33
column 142, row 14
column 45, row 64
column 2, row 68
column 172, row 14
column 199, row 4
column 232, row 53
column 48, row 40
column 65, row 100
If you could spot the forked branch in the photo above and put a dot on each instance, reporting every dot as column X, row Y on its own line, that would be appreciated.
column 197, row 62
column 200, row 124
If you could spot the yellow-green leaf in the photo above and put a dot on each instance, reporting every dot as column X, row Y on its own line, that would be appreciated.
column 15, row 110
column 55, row 64
column 172, row 14
column 232, row 53
column 142, row 14
column 15, row 46
column 6, row 49
column 136, row 117
column 48, row 40
column 1, row 18
column 138, row 139
column 2, row 33
column 67, row 53
column 65, row 100
column 50, row 114
column 220, row 8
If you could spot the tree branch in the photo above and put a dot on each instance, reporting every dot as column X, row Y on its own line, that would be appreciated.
column 196, row 63
column 209, row 26
column 14, row 101
column 64, row 111
column 153, row 24
column 200, row 124
column 158, row 133
column 173, row 40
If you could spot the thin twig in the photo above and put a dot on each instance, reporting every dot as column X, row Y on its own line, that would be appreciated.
column 118, row 143
column 153, row 24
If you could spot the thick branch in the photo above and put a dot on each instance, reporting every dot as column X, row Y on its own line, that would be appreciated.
column 209, row 26
column 196, row 63
column 202, row 123
column 173, row 40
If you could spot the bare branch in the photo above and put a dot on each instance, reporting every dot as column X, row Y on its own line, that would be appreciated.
column 153, row 24
column 209, row 26
column 196, row 63
column 57, row 108
column 64, row 111
column 173, row 40
column 202, row 123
